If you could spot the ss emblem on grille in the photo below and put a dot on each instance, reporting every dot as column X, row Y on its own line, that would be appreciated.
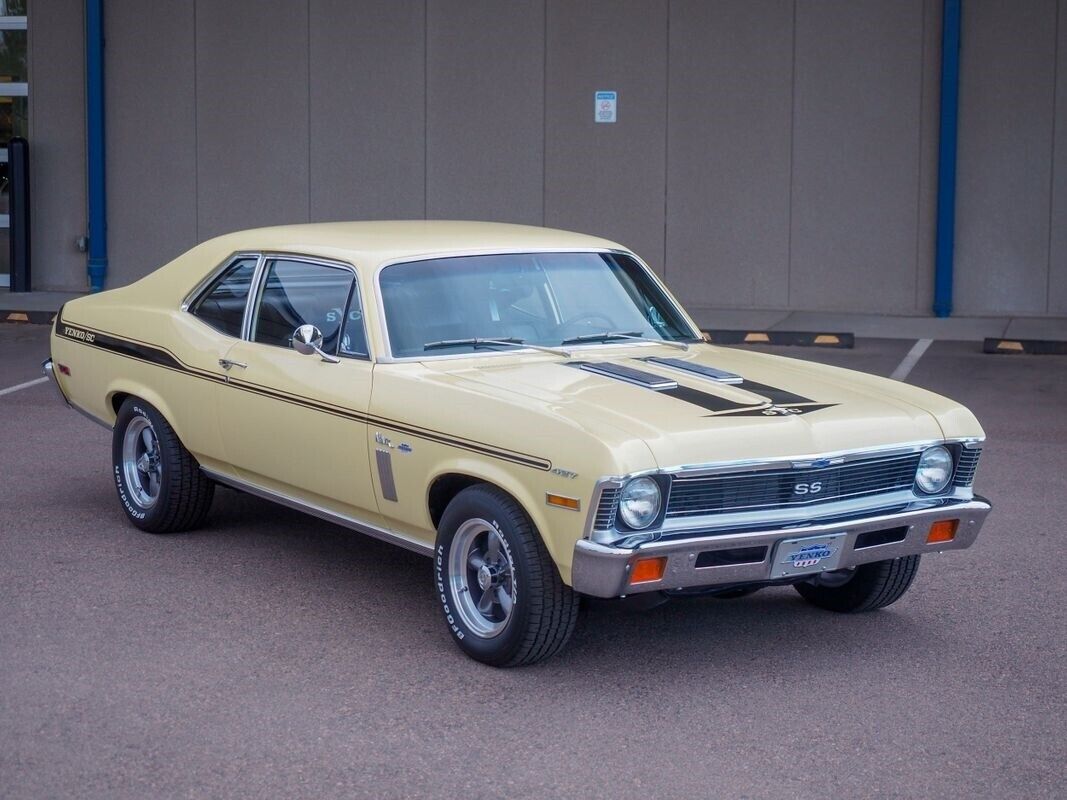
column 808, row 488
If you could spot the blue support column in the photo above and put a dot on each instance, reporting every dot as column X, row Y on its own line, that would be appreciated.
column 94, row 143
column 946, row 163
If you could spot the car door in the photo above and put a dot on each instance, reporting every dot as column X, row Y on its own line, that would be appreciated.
column 213, row 322
column 295, row 424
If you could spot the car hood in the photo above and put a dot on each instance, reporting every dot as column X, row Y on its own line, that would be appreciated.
column 780, row 406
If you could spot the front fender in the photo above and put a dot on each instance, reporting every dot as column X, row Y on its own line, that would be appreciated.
column 559, row 528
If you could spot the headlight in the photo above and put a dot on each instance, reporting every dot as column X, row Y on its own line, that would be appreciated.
column 639, row 503
column 935, row 470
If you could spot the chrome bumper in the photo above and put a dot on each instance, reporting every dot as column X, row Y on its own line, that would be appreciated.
column 603, row 571
column 50, row 372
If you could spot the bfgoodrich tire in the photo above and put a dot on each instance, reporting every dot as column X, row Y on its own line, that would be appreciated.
column 499, row 589
column 872, row 586
column 160, row 485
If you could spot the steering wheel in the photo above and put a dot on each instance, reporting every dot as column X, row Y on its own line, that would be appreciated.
column 586, row 319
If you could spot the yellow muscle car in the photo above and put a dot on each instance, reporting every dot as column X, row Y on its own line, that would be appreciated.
column 529, row 407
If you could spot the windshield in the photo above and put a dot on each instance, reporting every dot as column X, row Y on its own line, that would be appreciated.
column 455, row 305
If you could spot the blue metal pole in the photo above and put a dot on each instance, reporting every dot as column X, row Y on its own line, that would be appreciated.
column 946, row 161
column 94, row 144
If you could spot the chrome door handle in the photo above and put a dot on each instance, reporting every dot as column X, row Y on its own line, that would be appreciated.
column 226, row 363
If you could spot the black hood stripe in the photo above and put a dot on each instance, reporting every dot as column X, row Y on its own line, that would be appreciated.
column 722, row 377
column 777, row 410
column 780, row 397
column 782, row 402
column 707, row 400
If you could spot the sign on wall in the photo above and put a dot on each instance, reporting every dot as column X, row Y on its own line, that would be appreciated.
column 604, row 107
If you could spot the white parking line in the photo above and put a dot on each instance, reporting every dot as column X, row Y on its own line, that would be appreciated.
column 20, row 386
column 911, row 359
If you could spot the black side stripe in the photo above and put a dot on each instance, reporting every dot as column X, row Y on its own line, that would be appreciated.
column 400, row 427
column 157, row 356
column 105, row 341
column 150, row 354
column 297, row 400
column 466, row 444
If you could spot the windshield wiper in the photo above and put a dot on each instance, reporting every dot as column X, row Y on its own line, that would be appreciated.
column 510, row 341
column 608, row 336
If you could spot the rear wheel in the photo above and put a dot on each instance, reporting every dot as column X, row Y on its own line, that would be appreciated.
column 500, row 592
column 160, row 485
column 869, row 587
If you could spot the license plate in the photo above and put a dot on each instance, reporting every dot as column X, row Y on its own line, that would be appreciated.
column 807, row 555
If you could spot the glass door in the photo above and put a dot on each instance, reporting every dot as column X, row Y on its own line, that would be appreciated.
column 14, row 117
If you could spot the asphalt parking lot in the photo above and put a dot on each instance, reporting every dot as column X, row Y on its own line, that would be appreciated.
column 273, row 655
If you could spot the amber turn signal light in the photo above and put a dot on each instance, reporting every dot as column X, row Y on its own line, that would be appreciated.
column 647, row 570
column 562, row 501
column 943, row 530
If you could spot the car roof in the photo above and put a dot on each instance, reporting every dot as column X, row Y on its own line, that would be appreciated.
column 365, row 245
column 375, row 242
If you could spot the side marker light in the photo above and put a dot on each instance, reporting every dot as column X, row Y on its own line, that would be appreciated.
column 942, row 531
column 647, row 570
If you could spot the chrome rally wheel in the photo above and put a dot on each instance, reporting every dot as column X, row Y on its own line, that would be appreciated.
column 159, row 482
column 141, row 463
column 482, row 577
column 500, row 591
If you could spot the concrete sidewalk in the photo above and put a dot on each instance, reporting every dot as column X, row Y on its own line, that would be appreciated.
column 962, row 329
column 37, row 302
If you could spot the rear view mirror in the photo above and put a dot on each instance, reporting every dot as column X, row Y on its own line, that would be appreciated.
column 307, row 340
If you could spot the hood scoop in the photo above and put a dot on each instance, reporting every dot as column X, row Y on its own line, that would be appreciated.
column 639, row 377
column 712, row 374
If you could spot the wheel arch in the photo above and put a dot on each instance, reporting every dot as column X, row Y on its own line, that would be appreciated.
column 443, row 489
column 119, row 391
column 450, row 481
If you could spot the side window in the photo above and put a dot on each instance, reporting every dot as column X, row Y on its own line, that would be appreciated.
column 222, row 306
column 354, row 334
column 297, row 293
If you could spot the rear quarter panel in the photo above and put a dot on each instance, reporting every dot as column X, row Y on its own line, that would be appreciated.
column 111, row 344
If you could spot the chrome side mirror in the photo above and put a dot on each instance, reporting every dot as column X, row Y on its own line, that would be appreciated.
column 307, row 340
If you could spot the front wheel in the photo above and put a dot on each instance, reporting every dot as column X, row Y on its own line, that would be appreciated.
column 500, row 592
column 865, row 588
column 159, row 482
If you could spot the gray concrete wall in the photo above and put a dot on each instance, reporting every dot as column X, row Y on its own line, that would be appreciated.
column 152, row 164
column 608, row 178
column 858, row 82
column 57, row 143
column 252, row 124
column 367, row 109
column 1007, row 108
column 729, row 135
column 767, row 154
column 1057, row 286
column 485, row 109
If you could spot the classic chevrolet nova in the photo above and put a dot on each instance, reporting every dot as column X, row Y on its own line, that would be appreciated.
column 529, row 407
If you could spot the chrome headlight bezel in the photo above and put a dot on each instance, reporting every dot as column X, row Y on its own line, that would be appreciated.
column 645, row 490
column 938, row 463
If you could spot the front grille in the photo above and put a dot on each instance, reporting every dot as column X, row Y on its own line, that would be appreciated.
column 789, row 488
column 966, row 466
column 605, row 511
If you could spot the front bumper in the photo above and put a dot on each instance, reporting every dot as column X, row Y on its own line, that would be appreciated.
column 604, row 571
